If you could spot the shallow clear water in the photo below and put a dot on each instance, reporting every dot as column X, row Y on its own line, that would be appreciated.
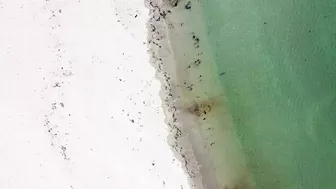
column 277, row 61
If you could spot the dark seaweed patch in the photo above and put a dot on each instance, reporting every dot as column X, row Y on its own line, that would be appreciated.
column 223, row 73
column 188, row 6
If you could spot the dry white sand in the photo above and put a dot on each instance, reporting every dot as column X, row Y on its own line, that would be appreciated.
column 203, row 135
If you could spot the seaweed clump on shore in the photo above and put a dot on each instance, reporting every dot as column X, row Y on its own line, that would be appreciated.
column 202, row 108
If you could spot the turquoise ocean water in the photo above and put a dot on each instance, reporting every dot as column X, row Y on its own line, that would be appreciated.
column 277, row 61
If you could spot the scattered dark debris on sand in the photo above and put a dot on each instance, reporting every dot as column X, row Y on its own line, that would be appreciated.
column 197, row 62
column 157, row 35
column 196, row 40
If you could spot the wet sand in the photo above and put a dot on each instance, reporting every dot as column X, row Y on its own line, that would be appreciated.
column 203, row 134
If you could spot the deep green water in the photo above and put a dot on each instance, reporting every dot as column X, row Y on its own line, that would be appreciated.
column 279, row 59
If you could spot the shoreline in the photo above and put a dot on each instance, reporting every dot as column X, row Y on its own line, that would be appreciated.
column 193, row 101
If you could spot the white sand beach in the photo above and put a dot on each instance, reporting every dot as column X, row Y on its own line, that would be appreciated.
column 79, row 101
